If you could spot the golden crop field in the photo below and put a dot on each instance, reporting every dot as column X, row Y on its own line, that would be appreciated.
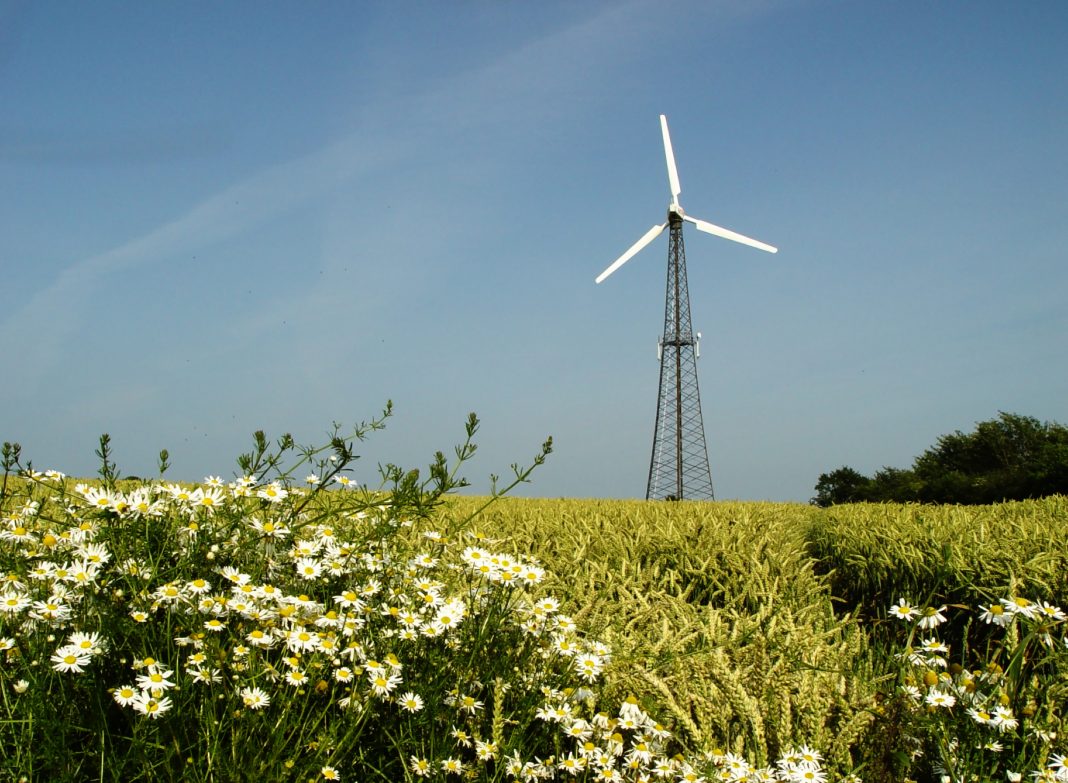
column 714, row 611
column 753, row 623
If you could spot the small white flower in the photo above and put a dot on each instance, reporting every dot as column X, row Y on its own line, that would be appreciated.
column 1020, row 605
column 69, row 659
column 903, row 610
column 932, row 617
column 941, row 699
column 255, row 698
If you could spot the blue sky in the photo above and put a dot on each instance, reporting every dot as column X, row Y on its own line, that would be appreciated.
column 223, row 217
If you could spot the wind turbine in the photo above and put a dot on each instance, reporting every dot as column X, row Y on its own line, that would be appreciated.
column 679, row 465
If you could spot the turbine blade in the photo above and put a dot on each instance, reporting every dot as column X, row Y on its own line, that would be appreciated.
column 673, row 173
column 648, row 237
column 710, row 228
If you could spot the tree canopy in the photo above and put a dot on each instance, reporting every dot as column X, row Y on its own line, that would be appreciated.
column 1012, row 457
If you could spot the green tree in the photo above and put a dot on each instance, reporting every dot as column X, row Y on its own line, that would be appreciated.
column 1012, row 457
column 895, row 485
column 844, row 485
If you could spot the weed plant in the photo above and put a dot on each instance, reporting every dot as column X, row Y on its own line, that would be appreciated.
column 256, row 629
column 985, row 713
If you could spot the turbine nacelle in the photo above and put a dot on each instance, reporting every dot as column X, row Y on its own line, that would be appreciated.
column 674, row 208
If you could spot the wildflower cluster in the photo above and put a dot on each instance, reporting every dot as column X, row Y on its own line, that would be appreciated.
column 632, row 746
column 986, row 712
column 798, row 765
column 355, row 635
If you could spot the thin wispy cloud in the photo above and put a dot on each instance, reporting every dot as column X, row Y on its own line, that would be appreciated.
column 55, row 314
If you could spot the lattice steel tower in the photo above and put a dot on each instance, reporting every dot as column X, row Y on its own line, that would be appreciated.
column 679, row 467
